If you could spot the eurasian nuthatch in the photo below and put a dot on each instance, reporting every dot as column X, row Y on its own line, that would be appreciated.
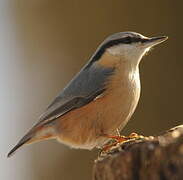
column 100, row 99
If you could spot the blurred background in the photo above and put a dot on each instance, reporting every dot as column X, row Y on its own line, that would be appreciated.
column 44, row 43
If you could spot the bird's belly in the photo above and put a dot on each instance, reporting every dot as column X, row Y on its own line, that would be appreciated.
column 83, row 127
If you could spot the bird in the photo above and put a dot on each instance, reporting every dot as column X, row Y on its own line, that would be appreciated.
column 99, row 101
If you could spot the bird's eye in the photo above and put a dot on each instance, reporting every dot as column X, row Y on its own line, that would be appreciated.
column 128, row 40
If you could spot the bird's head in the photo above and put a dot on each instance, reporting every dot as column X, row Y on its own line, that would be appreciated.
column 130, row 46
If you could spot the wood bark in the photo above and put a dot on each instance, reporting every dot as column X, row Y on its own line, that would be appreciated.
column 149, row 158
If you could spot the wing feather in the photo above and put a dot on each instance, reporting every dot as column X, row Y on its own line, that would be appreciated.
column 85, row 86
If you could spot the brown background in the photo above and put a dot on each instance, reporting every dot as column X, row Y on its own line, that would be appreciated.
column 44, row 43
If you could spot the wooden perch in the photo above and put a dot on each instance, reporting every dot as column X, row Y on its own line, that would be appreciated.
column 150, row 158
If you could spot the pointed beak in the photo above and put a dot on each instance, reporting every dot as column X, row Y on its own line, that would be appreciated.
column 149, row 42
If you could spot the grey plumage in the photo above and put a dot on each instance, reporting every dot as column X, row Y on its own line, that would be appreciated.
column 80, row 91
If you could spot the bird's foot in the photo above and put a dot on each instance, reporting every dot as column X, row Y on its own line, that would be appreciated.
column 119, row 139
column 135, row 136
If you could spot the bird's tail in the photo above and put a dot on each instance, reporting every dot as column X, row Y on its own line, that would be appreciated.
column 34, row 135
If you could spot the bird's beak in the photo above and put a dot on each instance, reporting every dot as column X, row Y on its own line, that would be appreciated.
column 149, row 42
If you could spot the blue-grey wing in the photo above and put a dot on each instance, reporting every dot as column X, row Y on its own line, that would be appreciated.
column 85, row 86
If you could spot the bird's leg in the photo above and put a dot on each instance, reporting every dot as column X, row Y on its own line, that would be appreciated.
column 119, row 139
column 107, row 147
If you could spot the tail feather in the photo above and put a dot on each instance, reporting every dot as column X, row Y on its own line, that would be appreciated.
column 23, row 141
column 37, row 133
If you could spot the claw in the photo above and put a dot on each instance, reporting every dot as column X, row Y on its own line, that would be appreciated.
column 135, row 136
column 119, row 139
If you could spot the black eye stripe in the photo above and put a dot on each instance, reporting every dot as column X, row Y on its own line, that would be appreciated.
column 125, row 40
column 103, row 47
column 129, row 40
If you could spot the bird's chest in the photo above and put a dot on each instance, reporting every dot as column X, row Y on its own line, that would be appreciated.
column 121, row 98
column 124, row 87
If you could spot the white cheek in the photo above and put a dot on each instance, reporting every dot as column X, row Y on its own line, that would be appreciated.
column 129, row 52
column 118, row 49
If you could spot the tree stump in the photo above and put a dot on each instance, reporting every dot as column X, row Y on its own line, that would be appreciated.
column 149, row 158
